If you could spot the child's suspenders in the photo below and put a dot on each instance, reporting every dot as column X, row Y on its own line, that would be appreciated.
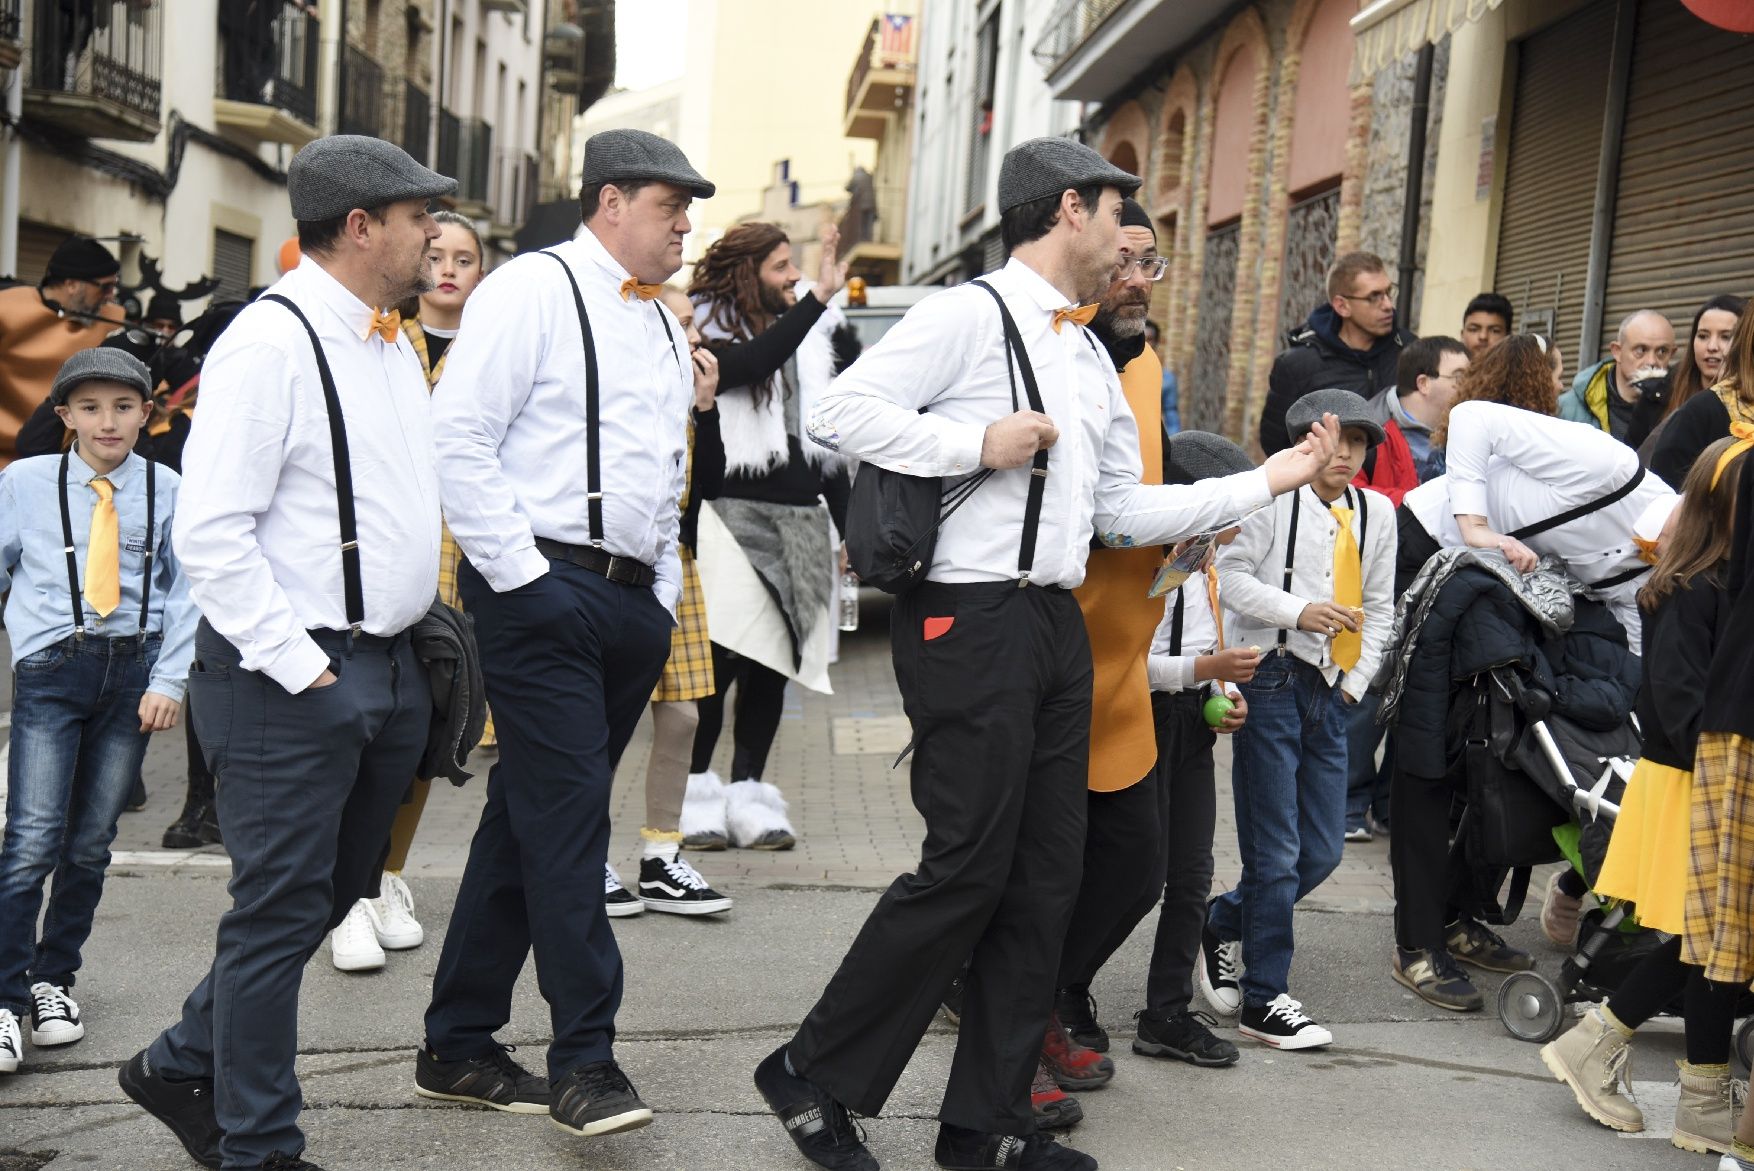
column 1360, row 509
column 73, row 559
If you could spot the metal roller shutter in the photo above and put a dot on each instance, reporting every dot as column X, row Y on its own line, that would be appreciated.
column 1550, row 179
column 1684, row 212
column 233, row 263
column 36, row 243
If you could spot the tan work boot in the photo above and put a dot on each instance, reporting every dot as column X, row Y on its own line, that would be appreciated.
column 1705, row 1118
column 1592, row 1060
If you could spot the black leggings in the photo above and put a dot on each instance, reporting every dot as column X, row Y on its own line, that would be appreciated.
column 1710, row 1008
column 761, row 697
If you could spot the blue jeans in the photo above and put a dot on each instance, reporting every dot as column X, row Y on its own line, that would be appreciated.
column 1367, row 782
column 1288, row 774
column 76, row 749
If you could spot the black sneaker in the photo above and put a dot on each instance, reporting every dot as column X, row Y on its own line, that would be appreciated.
column 617, row 899
column 1076, row 1009
column 1218, row 970
column 1282, row 1024
column 822, row 1128
column 959, row 1149
column 279, row 1162
column 196, row 826
column 951, row 1006
column 597, row 1099
column 494, row 1080
column 1435, row 978
column 54, row 1016
column 1475, row 943
column 1186, row 1036
column 186, row 1106
column 674, row 887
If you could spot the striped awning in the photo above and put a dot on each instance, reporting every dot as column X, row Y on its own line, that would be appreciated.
column 1390, row 29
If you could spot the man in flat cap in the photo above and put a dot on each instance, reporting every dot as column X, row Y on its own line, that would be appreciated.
column 72, row 309
column 308, row 701
column 995, row 678
column 561, row 432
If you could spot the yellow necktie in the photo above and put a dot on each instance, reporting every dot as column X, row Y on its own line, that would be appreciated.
column 643, row 292
column 103, row 551
column 1212, row 596
column 385, row 325
column 1348, row 589
column 1082, row 314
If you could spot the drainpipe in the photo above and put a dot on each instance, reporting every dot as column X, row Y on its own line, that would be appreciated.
column 13, row 155
column 1415, row 193
column 1607, row 182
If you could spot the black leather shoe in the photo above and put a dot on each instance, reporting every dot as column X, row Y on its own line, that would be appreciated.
column 279, row 1162
column 823, row 1128
column 196, row 826
column 1076, row 1009
column 185, row 1106
column 959, row 1149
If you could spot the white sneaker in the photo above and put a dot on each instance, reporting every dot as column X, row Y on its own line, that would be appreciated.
column 11, row 1042
column 755, row 817
column 353, row 946
column 1282, row 1024
column 54, row 1017
column 703, row 812
column 618, row 901
column 392, row 916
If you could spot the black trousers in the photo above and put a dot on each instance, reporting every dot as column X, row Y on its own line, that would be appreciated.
column 1184, row 751
column 1430, row 890
column 761, row 699
column 996, row 682
column 570, row 661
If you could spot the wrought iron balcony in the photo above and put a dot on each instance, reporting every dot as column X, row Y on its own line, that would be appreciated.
column 267, row 84
column 93, row 69
column 471, row 145
column 882, row 79
column 1088, row 48
column 416, row 121
column 362, row 94
column 516, row 175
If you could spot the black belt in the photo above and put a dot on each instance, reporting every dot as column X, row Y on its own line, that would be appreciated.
column 621, row 570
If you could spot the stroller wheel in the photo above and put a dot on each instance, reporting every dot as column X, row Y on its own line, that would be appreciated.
column 1742, row 1057
column 1531, row 1007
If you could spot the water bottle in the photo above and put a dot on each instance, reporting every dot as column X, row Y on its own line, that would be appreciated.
column 849, row 601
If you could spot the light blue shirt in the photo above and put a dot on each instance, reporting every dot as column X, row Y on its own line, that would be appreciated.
column 33, row 561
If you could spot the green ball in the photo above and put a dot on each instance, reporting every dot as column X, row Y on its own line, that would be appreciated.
column 1216, row 709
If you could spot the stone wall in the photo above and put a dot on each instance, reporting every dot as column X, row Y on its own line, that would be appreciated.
column 1385, row 182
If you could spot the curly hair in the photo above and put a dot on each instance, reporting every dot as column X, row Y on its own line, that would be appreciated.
column 1517, row 372
column 728, row 278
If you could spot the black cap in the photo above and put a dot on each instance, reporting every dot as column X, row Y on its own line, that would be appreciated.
column 163, row 307
column 80, row 258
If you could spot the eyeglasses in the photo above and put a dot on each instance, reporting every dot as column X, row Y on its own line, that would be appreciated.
column 1379, row 298
column 1151, row 268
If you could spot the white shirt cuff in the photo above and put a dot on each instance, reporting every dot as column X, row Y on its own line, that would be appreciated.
column 962, row 444
column 517, row 568
column 1467, row 499
column 298, row 666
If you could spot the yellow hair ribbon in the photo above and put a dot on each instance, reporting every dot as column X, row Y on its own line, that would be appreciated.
column 1744, row 434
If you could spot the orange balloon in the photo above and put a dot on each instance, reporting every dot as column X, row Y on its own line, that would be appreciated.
column 1734, row 15
column 288, row 256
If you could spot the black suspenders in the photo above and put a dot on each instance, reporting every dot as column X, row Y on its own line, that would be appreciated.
column 73, row 590
column 1360, row 510
column 1016, row 356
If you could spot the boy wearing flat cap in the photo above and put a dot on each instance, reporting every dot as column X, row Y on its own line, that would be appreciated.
column 309, row 703
column 1311, row 581
column 101, row 626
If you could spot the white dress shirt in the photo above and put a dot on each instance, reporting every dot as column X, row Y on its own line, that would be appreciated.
column 509, row 417
column 947, row 355
column 256, row 526
column 1169, row 667
column 1430, row 503
column 1251, row 572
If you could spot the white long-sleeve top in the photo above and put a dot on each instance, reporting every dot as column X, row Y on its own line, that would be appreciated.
column 509, row 419
column 1431, row 504
column 256, row 528
column 1251, row 572
column 1169, row 667
column 947, row 355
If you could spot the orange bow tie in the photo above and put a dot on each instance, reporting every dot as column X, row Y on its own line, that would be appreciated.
column 1744, row 436
column 1647, row 550
column 385, row 325
column 1082, row 314
column 644, row 292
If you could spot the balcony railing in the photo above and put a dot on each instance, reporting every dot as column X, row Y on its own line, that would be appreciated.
column 515, row 176
column 11, row 34
column 362, row 94
column 94, row 68
column 450, row 145
column 889, row 44
column 416, row 121
column 268, row 57
column 474, row 173
column 1067, row 27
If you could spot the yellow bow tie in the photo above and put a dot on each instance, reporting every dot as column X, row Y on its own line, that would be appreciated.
column 1647, row 550
column 1744, row 435
column 643, row 292
column 1082, row 314
column 385, row 325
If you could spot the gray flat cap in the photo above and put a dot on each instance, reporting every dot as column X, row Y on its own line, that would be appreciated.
column 1190, row 456
column 614, row 155
column 334, row 175
column 1351, row 409
column 1042, row 167
column 101, row 364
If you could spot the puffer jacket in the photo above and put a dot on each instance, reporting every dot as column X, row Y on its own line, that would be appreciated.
column 1316, row 359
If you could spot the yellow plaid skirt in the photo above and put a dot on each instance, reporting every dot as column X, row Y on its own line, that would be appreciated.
column 689, row 673
column 1719, row 935
column 1649, row 856
column 450, row 557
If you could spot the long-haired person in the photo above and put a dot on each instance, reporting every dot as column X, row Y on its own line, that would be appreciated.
column 766, row 558
column 1701, row 363
column 1651, row 855
column 1702, row 419
column 387, row 922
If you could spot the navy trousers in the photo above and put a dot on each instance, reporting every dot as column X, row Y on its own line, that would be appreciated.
column 570, row 661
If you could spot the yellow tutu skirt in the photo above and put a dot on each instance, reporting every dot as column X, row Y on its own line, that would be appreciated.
column 1649, row 854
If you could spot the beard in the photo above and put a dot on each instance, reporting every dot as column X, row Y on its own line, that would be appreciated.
column 1125, row 320
column 773, row 300
column 417, row 280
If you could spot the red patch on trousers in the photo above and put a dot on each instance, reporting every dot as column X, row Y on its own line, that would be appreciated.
column 938, row 627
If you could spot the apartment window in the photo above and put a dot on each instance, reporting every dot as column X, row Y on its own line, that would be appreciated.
column 234, row 263
column 980, row 139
